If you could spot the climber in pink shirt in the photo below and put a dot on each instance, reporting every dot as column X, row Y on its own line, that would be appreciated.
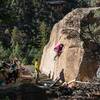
column 58, row 49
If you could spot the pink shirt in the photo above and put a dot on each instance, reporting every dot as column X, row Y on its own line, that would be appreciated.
column 58, row 48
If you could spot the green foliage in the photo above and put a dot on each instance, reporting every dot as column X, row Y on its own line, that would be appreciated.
column 16, row 51
column 7, row 98
column 25, row 61
column 93, row 2
column 91, row 28
column 1, row 51
column 84, row 3
column 4, row 53
column 34, row 53
column 17, row 36
column 25, row 26
column 43, row 33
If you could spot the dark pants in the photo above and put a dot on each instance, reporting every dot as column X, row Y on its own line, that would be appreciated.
column 9, row 78
column 37, row 75
column 12, row 76
column 15, row 75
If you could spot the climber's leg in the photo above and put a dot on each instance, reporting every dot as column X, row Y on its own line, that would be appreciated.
column 55, row 57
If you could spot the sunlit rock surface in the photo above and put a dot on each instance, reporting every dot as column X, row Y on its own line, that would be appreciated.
column 76, row 61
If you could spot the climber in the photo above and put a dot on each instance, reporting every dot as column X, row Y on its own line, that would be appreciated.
column 14, row 68
column 58, row 49
column 7, row 72
column 37, row 70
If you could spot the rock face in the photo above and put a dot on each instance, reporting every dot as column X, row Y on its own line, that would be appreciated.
column 75, row 61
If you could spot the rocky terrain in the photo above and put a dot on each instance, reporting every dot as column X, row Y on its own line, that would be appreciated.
column 26, row 89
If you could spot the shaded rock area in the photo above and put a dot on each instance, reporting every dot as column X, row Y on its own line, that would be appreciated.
column 84, row 92
column 78, row 59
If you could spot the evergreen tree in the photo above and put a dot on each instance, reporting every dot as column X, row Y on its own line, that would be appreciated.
column 4, row 53
column 25, row 26
column 16, row 52
column 43, row 34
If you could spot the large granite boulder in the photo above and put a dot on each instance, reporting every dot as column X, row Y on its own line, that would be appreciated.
column 77, row 60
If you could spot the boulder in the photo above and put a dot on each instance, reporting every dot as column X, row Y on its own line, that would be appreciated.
column 76, row 60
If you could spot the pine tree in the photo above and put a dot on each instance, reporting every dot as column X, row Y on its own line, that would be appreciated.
column 16, row 51
column 43, row 34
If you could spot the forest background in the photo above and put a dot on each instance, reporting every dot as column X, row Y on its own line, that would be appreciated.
column 25, row 26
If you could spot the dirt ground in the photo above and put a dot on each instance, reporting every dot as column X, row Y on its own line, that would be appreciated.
column 81, row 91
